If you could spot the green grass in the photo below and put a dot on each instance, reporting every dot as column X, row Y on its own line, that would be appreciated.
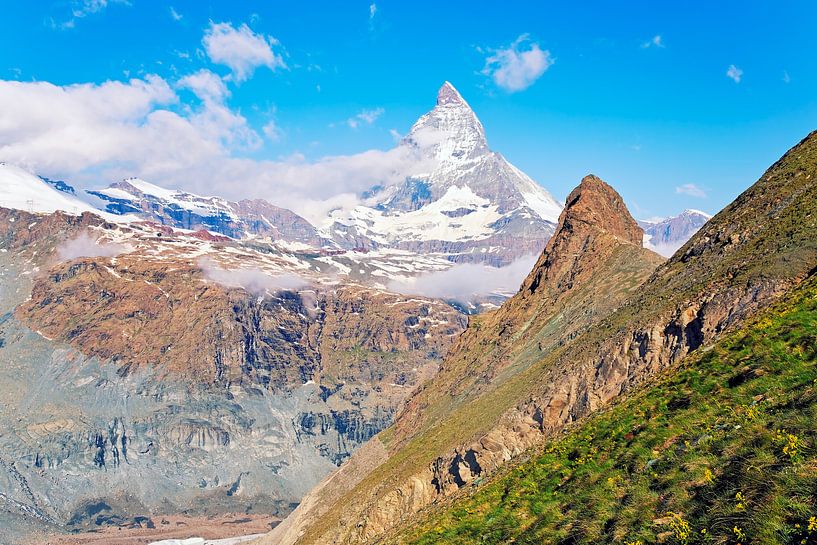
column 721, row 450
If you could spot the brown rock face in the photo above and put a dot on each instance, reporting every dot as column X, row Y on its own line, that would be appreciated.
column 594, row 218
column 593, row 261
column 27, row 232
column 166, row 315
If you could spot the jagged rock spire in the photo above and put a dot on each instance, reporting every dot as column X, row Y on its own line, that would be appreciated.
column 593, row 221
column 598, row 206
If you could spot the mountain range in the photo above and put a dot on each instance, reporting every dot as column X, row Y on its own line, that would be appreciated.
column 170, row 353
column 472, row 206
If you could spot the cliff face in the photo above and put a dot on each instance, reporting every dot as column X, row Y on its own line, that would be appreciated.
column 138, row 384
column 745, row 258
column 168, row 317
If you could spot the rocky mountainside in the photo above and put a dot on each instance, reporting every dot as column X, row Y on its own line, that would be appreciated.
column 667, row 235
column 743, row 260
column 594, row 261
column 590, row 265
column 149, row 371
column 472, row 205
column 720, row 451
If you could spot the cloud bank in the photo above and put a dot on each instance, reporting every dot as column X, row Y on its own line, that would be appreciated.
column 113, row 130
column 84, row 245
column 254, row 281
column 467, row 281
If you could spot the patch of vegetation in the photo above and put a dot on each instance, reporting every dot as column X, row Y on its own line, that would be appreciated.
column 722, row 449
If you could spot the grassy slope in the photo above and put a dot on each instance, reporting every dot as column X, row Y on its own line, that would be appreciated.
column 721, row 450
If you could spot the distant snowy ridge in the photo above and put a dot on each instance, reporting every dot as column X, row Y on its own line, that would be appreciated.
column 665, row 236
column 22, row 190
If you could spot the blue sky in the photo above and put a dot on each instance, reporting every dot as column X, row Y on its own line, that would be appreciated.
column 637, row 94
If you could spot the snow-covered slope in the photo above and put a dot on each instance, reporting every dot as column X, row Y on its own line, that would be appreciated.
column 22, row 190
column 473, row 205
column 667, row 235
column 184, row 210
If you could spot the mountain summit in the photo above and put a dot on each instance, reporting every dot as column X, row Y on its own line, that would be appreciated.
column 471, row 205
column 448, row 95
column 594, row 220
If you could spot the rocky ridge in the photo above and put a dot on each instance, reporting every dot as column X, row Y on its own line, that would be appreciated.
column 742, row 260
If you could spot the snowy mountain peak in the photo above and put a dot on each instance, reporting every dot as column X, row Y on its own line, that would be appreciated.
column 449, row 95
column 471, row 204
column 450, row 132
column 665, row 236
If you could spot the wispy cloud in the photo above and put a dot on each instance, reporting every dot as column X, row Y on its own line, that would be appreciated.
column 734, row 73
column 83, row 8
column 254, row 281
column 518, row 66
column 365, row 117
column 372, row 10
column 84, row 245
column 691, row 190
column 241, row 49
column 786, row 77
column 272, row 131
column 175, row 14
column 205, row 84
column 655, row 41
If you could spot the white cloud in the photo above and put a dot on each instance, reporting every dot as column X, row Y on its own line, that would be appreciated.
column 466, row 282
column 655, row 41
column 254, row 281
column 518, row 66
column 241, row 49
column 786, row 77
column 175, row 14
column 372, row 10
column 691, row 190
column 734, row 73
column 365, row 116
column 206, row 85
column 92, row 134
